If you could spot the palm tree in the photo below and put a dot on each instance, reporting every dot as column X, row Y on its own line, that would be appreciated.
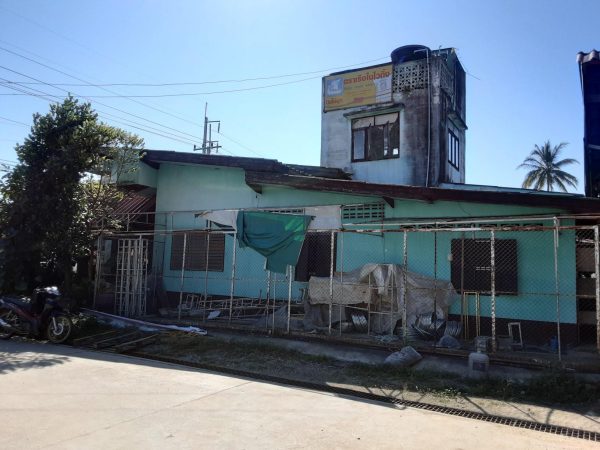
column 545, row 169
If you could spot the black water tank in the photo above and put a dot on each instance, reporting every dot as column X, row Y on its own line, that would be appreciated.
column 409, row 53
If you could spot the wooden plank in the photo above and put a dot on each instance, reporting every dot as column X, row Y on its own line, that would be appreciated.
column 91, row 337
column 136, row 343
column 108, row 342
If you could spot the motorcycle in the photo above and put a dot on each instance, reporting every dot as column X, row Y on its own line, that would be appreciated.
column 42, row 314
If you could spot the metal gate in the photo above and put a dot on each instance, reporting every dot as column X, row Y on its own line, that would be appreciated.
column 131, row 277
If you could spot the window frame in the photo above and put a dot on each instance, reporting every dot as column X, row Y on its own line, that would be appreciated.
column 387, row 135
column 453, row 149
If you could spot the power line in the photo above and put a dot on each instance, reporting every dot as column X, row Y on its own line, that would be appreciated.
column 117, row 109
column 194, row 94
column 197, row 83
column 42, row 96
column 14, row 121
column 184, row 94
column 87, row 98
column 80, row 79
column 145, row 104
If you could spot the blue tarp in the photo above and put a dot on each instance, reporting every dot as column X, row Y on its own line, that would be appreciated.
column 278, row 237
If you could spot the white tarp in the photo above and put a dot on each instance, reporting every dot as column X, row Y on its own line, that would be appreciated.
column 324, row 217
column 382, row 285
column 225, row 217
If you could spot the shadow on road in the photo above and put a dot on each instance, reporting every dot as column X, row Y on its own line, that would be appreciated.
column 13, row 361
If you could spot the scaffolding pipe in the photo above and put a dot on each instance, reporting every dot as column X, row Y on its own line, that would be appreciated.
column 182, row 275
column 98, row 268
column 435, row 283
column 404, row 287
column 289, row 308
column 369, row 308
column 233, row 263
column 493, row 286
column 557, row 287
column 274, row 298
column 393, row 296
column 341, row 275
column 268, row 299
column 331, row 269
column 206, row 277
column 597, row 270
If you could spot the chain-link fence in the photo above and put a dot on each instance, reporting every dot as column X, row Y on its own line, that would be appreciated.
column 519, row 288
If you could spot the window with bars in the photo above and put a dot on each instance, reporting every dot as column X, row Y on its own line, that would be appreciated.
column 364, row 211
column 285, row 211
column 453, row 149
column 376, row 137
column 471, row 266
column 197, row 244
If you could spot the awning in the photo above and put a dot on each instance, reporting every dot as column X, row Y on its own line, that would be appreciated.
column 136, row 203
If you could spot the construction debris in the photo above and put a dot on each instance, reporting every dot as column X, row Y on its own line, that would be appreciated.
column 122, row 322
column 404, row 358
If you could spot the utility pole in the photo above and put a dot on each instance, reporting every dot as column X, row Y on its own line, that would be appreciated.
column 208, row 145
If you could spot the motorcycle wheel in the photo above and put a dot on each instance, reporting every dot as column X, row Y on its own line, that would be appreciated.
column 6, row 314
column 61, row 332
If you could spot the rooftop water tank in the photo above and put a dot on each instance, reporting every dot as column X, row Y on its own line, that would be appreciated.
column 409, row 53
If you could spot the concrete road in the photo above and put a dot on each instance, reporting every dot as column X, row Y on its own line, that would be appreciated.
column 60, row 397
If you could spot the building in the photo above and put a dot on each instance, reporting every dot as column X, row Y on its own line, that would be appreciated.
column 393, row 238
column 403, row 122
column 589, row 72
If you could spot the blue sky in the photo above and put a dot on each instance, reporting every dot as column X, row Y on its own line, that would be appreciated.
column 523, row 86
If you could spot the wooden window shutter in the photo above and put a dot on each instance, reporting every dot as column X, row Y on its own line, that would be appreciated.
column 195, row 254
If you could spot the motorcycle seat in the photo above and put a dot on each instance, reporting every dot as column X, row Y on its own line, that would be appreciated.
column 22, row 302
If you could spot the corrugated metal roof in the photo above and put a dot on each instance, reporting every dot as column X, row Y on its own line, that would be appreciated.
column 572, row 203
column 136, row 202
column 155, row 157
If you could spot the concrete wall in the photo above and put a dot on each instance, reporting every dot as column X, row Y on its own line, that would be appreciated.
column 416, row 154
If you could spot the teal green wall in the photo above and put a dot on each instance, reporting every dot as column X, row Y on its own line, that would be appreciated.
column 195, row 188
column 535, row 267
column 141, row 174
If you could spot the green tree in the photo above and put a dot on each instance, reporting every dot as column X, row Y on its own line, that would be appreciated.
column 50, row 200
column 546, row 169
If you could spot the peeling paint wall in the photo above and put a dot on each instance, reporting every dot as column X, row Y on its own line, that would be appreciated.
column 411, row 100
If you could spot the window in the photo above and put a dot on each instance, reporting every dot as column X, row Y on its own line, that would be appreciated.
column 365, row 211
column 453, row 150
column 315, row 256
column 195, row 252
column 376, row 137
column 471, row 265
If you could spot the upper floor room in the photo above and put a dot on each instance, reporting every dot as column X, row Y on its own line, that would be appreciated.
column 402, row 122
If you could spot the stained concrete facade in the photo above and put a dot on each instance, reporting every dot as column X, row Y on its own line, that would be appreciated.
column 438, row 79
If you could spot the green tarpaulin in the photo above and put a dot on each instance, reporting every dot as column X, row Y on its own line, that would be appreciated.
column 278, row 237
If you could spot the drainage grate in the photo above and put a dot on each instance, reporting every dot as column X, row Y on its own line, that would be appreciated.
column 518, row 423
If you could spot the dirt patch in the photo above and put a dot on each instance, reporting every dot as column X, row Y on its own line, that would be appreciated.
column 549, row 389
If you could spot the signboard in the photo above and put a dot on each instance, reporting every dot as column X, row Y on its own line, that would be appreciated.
column 358, row 88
